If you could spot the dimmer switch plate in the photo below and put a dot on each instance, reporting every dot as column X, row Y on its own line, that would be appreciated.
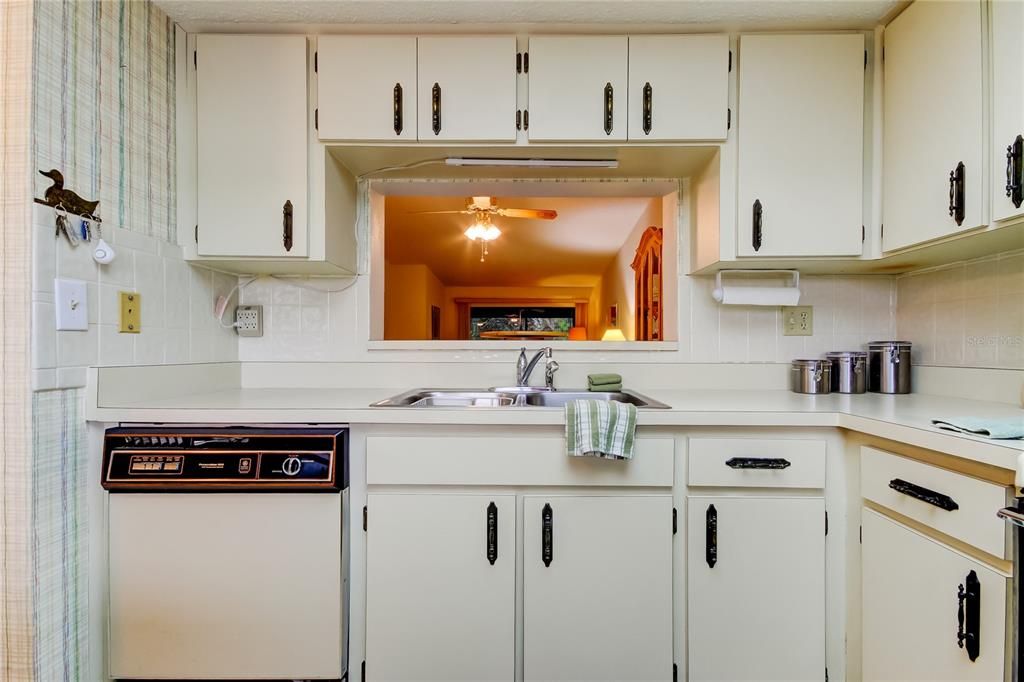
column 249, row 320
column 797, row 320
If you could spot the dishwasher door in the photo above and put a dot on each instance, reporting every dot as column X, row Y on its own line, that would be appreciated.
column 226, row 585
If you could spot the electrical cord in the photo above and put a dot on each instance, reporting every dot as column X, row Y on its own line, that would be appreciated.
column 408, row 166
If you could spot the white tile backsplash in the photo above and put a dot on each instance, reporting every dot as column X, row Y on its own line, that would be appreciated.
column 177, row 305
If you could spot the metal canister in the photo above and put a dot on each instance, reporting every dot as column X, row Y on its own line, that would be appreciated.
column 810, row 376
column 889, row 366
column 849, row 371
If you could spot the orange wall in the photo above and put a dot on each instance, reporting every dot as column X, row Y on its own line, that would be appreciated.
column 409, row 292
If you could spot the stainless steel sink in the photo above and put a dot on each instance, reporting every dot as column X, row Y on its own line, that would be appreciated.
column 510, row 397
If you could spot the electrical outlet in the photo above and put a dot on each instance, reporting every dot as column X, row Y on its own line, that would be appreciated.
column 797, row 320
column 249, row 320
column 131, row 312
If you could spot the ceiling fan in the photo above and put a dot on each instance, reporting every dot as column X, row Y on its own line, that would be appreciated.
column 483, row 209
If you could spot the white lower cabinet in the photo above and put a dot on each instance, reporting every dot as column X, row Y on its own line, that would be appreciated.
column 756, row 588
column 597, row 588
column 914, row 588
column 437, row 607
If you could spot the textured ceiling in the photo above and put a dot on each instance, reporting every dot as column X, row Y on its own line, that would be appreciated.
column 574, row 249
column 727, row 14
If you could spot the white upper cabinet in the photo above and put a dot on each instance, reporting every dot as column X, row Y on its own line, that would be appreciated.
column 467, row 88
column 932, row 123
column 578, row 88
column 801, row 145
column 252, row 147
column 1008, row 108
column 366, row 87
column 678, row 87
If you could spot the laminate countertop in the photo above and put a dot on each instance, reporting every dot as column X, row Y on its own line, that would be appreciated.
column 903, row 418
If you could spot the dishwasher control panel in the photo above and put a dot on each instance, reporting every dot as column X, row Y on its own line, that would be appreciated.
column 237, row 459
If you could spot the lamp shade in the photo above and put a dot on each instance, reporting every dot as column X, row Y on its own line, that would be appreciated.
column 613, row 334
column 578, row 334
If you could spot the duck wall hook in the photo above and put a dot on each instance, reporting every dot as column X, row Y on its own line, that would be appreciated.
column 56, row 195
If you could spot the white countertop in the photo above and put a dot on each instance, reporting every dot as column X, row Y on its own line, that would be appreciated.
column 905, row 418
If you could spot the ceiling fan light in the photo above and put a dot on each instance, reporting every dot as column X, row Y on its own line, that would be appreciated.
column 490, row 234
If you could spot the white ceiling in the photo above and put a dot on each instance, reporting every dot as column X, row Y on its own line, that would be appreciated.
column 572, row 250
column 659, row 15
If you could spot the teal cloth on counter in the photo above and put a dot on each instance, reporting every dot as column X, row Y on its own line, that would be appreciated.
column 1006, row 428
column 600, row 428
column 604, row 382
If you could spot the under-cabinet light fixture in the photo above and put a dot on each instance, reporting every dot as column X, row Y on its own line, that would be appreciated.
column 532, row 163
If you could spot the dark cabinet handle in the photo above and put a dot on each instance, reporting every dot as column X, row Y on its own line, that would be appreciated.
column 757, row 463
column 648, row 107
column 968, row 616
column 711, row 536
column 435, row 108
column 287, row 220
column 956, row 193
column 547, row 533
column 492, row 533
column 1015, row 172
column 609, row 108
column 758, row 224
column 924, row 494
column 398, row 108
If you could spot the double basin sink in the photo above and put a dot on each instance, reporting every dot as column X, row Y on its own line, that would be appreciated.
column 511, row 397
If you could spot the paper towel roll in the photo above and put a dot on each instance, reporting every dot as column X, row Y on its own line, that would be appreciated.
column 773, row 296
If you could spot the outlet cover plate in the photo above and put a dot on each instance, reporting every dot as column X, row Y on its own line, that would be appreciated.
column 249, row 320
column 72, row 305
column 797, row 320
column 131, row 312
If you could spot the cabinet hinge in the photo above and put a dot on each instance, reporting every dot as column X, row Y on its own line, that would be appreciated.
column 519, row 62
column 675, row 672
column 730, row 61
column 675, row 524
column 882, row 233
column 860, row 535
column 316, row 62
column 519, row 119
column 197, row 234
column 863, row 232
column 526, row 119
column 364, row 520
column 195, row 59
column 362, row 672
column 865, row 60
column 728, row 119
column 883, row 53
column 826, row 674
column 826, row 523
column 316, row 119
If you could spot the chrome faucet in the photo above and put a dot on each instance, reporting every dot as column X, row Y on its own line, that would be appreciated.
column 524, row 367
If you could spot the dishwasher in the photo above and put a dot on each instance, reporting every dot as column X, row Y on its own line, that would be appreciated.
column 227, row 557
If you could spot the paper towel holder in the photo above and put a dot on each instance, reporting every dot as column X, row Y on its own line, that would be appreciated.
column 719, row 291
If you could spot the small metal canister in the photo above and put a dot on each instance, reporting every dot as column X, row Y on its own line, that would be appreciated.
column 849, row 371
column 889, row 366
column 810, row 376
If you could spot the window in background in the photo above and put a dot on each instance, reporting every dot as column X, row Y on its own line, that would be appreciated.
column 507, row 322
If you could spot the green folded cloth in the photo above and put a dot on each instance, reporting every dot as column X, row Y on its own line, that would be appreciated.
column 604, row 382
column 1007, row 428
column 600, row 428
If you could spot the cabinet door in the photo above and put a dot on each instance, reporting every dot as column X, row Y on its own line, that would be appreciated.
column 601, row 608
column 578, row 88
column 1008, row 108
column 678, row 87
column 467, row 88
column 910, row 590
column 437, row 607
column 251, row 117
column 756, row 588
column 932, row 121
column 366, row 87
column 801, row 145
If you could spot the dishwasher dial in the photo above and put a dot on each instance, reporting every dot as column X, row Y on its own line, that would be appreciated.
column 291, row 466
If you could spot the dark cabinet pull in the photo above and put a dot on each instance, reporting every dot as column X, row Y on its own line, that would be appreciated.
column 287, row 220
column 435, row 108
column 648, row 107
column 492, row 533
column 1015, row 172
column 609, row 108
column 758, row 224
column 968, row 616
column 547, row 539
column 924, row 494
column 711, row 536
column 757, row 463
column 398, row 108
column 956, row 193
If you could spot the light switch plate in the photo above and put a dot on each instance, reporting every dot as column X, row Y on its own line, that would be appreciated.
column 131, row 312
column 797, row 320
column 72, row 304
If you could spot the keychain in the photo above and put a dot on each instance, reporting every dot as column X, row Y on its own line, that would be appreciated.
column 64, row 226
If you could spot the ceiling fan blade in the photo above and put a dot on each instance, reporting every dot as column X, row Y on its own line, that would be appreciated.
column 439, row 212
column 537, row 213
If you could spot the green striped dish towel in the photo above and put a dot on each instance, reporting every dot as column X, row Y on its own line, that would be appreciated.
column 600, row 428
